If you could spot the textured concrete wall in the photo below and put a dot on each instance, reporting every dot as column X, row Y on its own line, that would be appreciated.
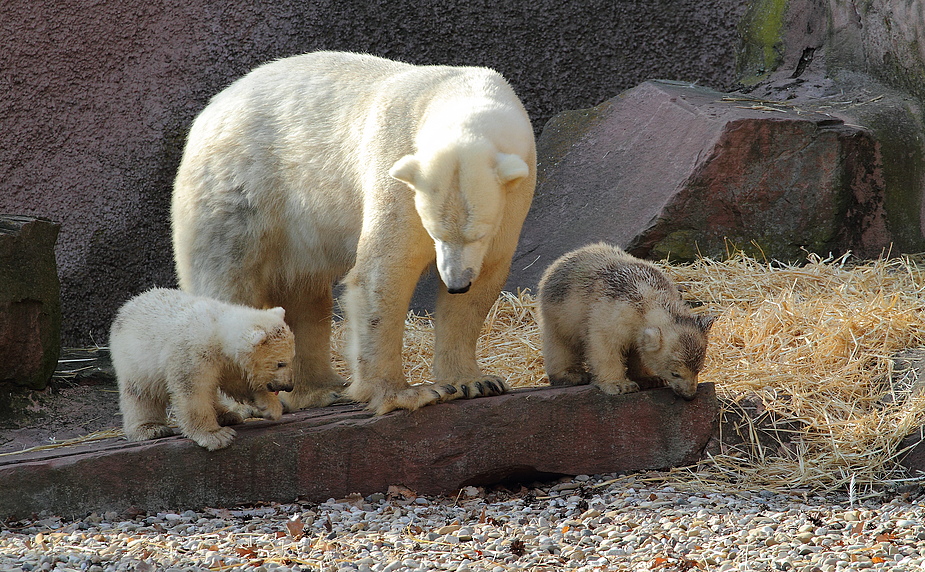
column 96, row 97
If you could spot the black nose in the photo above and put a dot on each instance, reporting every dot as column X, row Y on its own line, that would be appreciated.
column 462, row 290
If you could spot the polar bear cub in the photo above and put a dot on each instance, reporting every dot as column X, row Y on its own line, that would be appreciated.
column 335, row 166
column 169, row 346
column 604, row 312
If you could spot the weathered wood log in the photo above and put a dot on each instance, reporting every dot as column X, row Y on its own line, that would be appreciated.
column 335, row 451
column 30, row 307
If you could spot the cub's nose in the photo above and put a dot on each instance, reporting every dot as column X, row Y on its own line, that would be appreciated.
column 279, row 386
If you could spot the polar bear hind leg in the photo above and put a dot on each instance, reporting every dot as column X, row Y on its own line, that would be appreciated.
column 144, row 414
column 316, row 383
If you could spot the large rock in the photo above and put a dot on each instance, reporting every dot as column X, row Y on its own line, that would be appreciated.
column 336, row 451
column 30, row 309
column 668, row 169
column 861, row 64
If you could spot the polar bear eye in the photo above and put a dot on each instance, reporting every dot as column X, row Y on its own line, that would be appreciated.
column 281, row 365
column 676, row 375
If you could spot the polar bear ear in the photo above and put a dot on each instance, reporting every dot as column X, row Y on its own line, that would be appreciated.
column 407, row 169
column 257, row 336
column 511, row 167
column 278, row 312
column 705, row 322
column 651, row 340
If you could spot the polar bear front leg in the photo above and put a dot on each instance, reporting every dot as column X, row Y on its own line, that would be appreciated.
column 316, row 384
column 375, row 300
column 192, row 393
column 458, row 323
column 607, row 361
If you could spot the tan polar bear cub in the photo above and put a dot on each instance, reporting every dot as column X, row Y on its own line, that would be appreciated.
column 607, row 317
column 336, row 165
column 169, row 346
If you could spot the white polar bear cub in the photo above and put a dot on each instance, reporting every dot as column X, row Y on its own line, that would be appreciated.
column 337, row 165
column 169, row 346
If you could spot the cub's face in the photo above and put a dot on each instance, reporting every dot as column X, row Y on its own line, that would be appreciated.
column 270, row 364
column 676, row 354
column 459, row 195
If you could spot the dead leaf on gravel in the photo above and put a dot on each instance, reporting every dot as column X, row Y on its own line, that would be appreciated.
column 296, row 527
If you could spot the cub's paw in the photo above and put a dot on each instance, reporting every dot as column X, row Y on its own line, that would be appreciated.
column 212, row 440
column 267, row 406
column 229, row 417
column 569, row 377
column 617, row 387
column 147, row 431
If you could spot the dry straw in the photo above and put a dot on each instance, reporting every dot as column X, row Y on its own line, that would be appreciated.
column 812, row 344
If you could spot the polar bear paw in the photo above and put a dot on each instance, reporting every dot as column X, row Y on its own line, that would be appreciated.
column 229, row 417
column 485, row 386
column 417, row 396
column 570, row 377
column 617, row 387
column 147, row 431
column 316, row 396
column 212, row 440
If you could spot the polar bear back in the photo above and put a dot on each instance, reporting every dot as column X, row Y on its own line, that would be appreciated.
column 162, row 325
column 280, row 164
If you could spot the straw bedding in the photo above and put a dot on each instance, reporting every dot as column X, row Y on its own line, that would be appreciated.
column 812, row 344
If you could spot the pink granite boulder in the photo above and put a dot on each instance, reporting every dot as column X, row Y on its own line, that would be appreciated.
column 669, row 169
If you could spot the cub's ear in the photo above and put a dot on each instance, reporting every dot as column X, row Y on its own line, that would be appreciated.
column 279, row 312
column 257, row 336
column 511, row 168
column 651, row 340
column 705, row 322
column 407, row 170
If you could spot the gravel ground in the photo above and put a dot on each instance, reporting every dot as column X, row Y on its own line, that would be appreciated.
column 605, row 522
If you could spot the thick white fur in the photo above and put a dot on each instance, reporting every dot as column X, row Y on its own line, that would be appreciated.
column 600, row 306
column 331, row 165
column 169, row 346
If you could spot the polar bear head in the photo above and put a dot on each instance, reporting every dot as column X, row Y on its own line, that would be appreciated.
column 271, row 349
column 459, row 193
column 676, row 350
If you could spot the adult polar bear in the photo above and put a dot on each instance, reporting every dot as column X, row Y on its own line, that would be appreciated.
column 329, row 164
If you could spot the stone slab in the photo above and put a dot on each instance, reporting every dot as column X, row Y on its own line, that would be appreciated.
column 670, row 169
column 336, row 451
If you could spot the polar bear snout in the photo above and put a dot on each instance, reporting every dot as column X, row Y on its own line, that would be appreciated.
column 459, row 284
column 462, row 285
column 280, row 385
column 452, row 266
